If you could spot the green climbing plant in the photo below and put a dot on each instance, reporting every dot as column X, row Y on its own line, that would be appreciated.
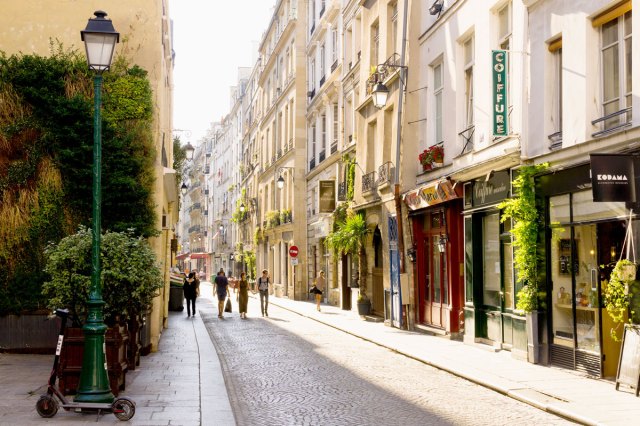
column 522, row 210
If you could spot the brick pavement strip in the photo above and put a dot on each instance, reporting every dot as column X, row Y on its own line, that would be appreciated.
column 289, row 370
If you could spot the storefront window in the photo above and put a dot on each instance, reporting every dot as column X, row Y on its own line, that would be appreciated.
column 435, row 261
column 584, row 209
column 491, row 259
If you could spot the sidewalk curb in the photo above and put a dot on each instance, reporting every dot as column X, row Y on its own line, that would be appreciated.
column 550, row 408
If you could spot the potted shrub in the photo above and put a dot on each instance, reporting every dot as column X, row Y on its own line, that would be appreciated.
column 348, row 237
column 130, row 279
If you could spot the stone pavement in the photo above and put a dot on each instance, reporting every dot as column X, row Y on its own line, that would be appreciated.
column 181, row 384
column 562, row 392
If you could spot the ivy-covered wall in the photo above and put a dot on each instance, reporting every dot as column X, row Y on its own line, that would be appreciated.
column 46, row 143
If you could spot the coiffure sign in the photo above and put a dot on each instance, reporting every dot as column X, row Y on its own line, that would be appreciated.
column 499, row 71
column 613, row 177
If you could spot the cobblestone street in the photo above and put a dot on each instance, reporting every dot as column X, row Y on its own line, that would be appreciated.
column 290, row 370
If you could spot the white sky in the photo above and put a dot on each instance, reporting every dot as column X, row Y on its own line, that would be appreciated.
column 212, row 38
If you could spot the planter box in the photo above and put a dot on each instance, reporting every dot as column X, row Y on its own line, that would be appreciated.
column 33, row 334
column 116, row 341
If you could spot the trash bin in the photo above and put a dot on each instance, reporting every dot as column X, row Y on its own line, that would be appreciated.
column 176, row 299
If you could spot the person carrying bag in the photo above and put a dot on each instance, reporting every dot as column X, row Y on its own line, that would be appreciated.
column 263, row 288
column 227, row 306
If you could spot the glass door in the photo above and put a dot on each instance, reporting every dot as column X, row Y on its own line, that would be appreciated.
column 492, row 293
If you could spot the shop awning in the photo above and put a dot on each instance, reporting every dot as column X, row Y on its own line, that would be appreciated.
column 182, row 256
column 199, row 255
column 432, row 194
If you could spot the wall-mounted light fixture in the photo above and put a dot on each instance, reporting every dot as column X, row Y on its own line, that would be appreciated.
column 184, row 188
column 188, row 151
column 436, row 8
column 442, row 243
column 280, row 181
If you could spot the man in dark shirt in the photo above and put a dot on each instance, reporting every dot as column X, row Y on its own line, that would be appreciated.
column 222, row 289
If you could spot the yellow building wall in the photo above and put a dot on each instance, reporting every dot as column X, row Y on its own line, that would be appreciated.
column 30, row 27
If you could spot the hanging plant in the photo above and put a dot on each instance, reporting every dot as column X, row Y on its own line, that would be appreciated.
column 526, row 223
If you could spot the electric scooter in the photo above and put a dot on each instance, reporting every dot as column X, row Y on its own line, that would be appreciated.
column 47, row 406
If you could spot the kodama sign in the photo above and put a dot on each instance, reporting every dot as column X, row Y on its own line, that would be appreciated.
column 613, row 177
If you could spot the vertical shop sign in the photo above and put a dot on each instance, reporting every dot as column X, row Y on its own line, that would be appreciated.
column 327, row 196
column 500, row 111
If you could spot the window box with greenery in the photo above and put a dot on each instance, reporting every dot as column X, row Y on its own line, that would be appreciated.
column 285, row 216
column 130, row 278
column 273, row 219
column 432, row 157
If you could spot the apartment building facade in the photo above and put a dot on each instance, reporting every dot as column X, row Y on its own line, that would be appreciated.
column 281, row 109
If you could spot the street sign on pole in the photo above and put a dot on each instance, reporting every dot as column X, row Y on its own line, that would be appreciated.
column 294, row 261
column 293, row 251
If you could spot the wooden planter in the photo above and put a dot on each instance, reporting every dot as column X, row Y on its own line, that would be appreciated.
column 116, row 342
column 134, row 326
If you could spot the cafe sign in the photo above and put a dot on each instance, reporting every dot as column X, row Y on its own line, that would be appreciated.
column 500, row 110
column 430, row 195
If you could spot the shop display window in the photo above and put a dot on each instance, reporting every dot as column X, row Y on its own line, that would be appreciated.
column 574, row 270
column 491, row 259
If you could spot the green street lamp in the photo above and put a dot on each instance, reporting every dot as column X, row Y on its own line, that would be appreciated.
column 100, row 39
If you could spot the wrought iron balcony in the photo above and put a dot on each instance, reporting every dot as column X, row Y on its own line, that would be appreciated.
column 369, row 182
column 612, row 122
column 322, row 156
column 385, row 173
column 334, row 147
column 555, row 140
column 322, row 80
column 312, row 164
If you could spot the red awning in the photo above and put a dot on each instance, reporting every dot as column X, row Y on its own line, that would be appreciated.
column 432, row 194
column 199, row 255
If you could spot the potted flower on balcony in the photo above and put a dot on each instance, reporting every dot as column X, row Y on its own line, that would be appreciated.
column 426, row 160
column 437, row 155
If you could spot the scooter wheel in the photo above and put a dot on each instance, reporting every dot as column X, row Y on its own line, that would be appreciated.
column 47, row 406
column 123, row 408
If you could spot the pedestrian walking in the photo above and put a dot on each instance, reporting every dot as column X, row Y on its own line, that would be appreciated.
column 317, row 293
column 191, row 287
column 222, row 289
column 321, row 281
column 243, row 295
column 263, row 288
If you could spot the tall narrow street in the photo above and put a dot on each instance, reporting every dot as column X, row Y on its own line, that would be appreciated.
column 287, row 369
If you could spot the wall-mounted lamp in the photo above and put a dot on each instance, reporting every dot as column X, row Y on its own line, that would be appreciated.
column 280, row 181
column 380, row 92
column 489, row 175
column 436, row 7
column 442, row 243
column 188, row 151
column 242, row 208
column 184, row 188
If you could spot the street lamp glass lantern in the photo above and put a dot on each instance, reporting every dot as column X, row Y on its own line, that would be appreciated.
column 242, row 208
column 442, row 244
column 280, row 182
column 380, row 93
column 100, row 40
column 184, row 189
column 189, row 150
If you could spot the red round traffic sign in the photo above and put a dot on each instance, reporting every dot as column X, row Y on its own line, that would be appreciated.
column 293, row 251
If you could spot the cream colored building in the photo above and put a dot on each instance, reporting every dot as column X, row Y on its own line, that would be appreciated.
column 281, row 138
column 324, row 68
column 145, row 35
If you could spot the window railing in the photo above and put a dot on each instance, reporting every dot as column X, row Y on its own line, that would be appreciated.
column 555, row 140
column 279, row 154
column 322, row 80
column 322, row 156
column 334, row 147
column 612, row 122
column 311, row 93
column 312, row 164
column 342, row 191
column 290, row 145
column 467, row 138
column 322, row 11
column 334, row 65
column 385, row 173
column 369, row 182
column 313, row 28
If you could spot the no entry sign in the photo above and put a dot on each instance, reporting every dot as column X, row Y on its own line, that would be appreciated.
column 293, row 251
